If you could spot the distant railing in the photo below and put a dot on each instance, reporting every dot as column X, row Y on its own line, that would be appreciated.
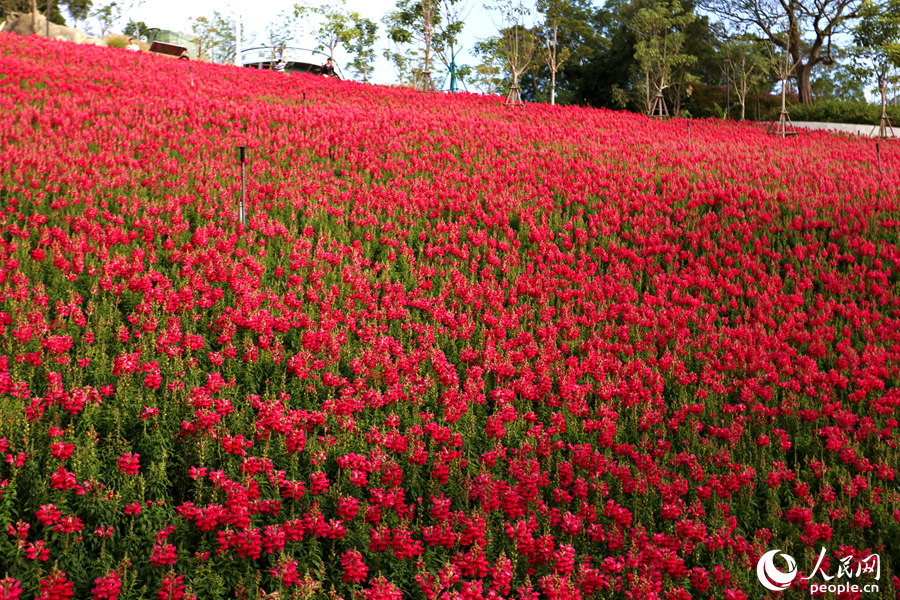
column 296, row 59
column 263, row 54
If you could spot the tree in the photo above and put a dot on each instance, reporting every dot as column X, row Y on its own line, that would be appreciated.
column 602, row 51
column 784, row 66
column 29, row 6
column 337, row 28
column 107, row 16
column 579, row 40
column 137, row 29
column 215, row 36
column 844, row 80
column 747, row 69
column 333, row 28
column 659, row 30
column 448, row 27
column 702, row 40
column 419, row 30
column 553, row 12
column 403, row 61
column 877, row 41
column 281, row 32
column 361, row 44
column 518, row 43
column 402, row 51
column 803, row 28
column 488, row 74
column 79, row 10
column 414, row 28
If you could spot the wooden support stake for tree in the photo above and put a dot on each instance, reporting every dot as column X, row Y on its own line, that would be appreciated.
column 884, row 127
column 426, row 84
column 659, row 109
column 785, row 127
column 514, row 98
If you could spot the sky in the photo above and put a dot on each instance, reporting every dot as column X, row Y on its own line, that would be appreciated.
column 176, row 15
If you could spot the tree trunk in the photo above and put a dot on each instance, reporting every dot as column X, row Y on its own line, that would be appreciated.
column 677, row 92
column 553, row 67
column 804, row 87
column 552, row 87
column 34, row 14
column 647, row 85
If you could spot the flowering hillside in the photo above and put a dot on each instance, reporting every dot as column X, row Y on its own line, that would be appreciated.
column 458, row 350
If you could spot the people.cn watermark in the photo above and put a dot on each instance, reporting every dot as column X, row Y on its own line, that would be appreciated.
column 845, row 580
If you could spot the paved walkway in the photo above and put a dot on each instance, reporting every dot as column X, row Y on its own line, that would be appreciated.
column 863, row 130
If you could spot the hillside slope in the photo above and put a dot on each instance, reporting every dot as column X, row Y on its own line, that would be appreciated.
column 458, row 350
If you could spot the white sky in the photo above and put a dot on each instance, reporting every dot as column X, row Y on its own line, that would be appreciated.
column 176, row 14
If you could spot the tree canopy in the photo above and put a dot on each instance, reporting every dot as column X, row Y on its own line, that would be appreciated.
column 805, row 29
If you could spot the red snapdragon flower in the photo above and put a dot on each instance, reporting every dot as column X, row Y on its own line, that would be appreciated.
column 128, row 463
column 355, row 569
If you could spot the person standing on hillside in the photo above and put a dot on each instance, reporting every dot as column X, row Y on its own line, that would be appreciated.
column 328, row 68
column 132, row 45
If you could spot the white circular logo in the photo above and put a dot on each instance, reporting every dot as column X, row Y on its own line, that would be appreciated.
column 770, row 576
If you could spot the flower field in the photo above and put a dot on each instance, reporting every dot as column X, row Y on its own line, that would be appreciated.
column 457, row 350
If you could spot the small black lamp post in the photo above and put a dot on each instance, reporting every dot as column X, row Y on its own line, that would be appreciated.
column 243, row 155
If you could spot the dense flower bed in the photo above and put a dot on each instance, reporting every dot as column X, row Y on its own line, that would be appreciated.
column 457, row 351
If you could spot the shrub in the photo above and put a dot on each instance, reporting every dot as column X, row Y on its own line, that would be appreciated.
column 116, row 41
column 837, row 111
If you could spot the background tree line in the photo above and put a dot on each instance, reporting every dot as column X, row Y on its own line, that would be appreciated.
column 97, row 19
column 698, row 57
column 626, row 53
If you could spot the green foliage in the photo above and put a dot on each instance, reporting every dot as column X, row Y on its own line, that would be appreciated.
column 420, row 30
column 107, row 16
column 78, row 10
column 333, row 28
column 488, row 76
column 554, row 55
column 877, row 43
column 116, row 41
column 577, row 40
column 24, row 6
column 845, row 80
column 215, row 36
column 281, row 31
column 747, row 68
column 137, row 29
column 361, row 44
column 518, row 39
column 877, row 35
column 836, row 111
column 659, row 30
